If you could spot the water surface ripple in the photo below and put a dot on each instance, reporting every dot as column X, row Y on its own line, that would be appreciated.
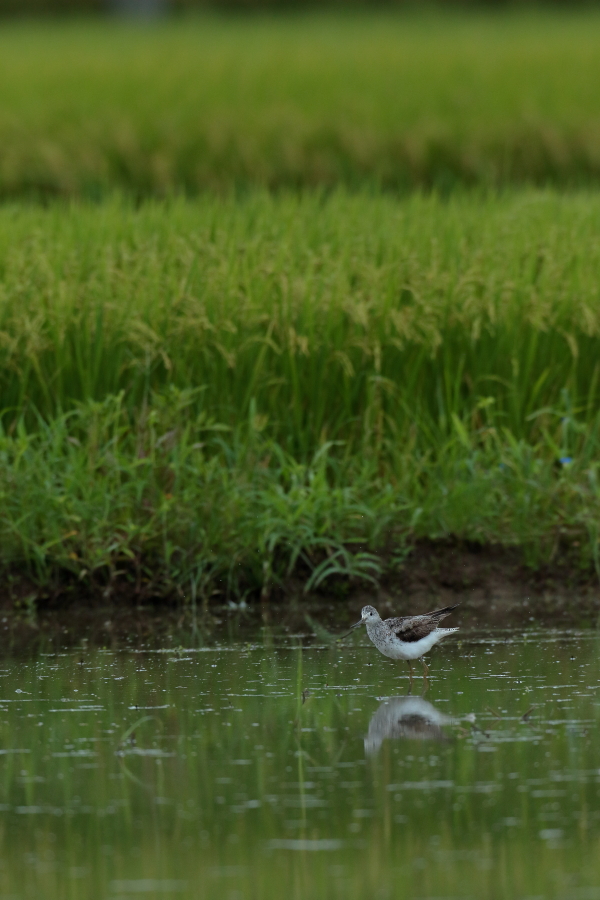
column 279, row 769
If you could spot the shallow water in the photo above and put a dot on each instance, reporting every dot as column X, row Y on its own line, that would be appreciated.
column 280, row 770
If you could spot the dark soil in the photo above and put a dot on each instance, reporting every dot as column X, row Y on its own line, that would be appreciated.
column 491, row 584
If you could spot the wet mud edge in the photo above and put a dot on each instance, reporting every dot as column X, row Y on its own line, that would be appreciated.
column 492, row 584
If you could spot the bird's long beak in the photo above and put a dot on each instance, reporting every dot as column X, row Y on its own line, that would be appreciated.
column 362, row 622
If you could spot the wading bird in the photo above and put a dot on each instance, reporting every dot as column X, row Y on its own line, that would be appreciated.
column 408, row 637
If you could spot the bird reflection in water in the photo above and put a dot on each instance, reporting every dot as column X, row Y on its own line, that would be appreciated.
column 409, row 718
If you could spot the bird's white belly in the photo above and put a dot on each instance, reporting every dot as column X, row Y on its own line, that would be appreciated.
column 394, row 648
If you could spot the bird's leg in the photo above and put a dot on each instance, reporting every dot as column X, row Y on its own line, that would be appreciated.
column 410, row 672
column 425, row 674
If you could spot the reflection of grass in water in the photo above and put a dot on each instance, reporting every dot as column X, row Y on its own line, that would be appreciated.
column 216, row 395
column 216, row 780
column 403, row 101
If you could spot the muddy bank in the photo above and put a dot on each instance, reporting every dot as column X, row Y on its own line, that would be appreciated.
column 492, row 585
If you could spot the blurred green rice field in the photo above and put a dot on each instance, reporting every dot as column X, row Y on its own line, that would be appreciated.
column 213, row 395
column 393, row 100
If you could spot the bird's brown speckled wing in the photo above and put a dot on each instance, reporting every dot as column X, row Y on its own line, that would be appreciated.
column 413, row 628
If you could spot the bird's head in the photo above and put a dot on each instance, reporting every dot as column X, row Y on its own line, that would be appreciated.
column 368, row 614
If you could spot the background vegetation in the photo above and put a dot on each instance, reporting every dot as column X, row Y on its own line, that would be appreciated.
column 215, row 103
column 343, row 318
column 212, row 396
column 259, row 327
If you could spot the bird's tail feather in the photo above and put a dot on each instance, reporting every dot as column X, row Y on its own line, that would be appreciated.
column 442, row 613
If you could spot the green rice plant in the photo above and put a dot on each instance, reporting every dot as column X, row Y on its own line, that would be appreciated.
column 394, row 99
column 218, row 396
column 350, row 319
